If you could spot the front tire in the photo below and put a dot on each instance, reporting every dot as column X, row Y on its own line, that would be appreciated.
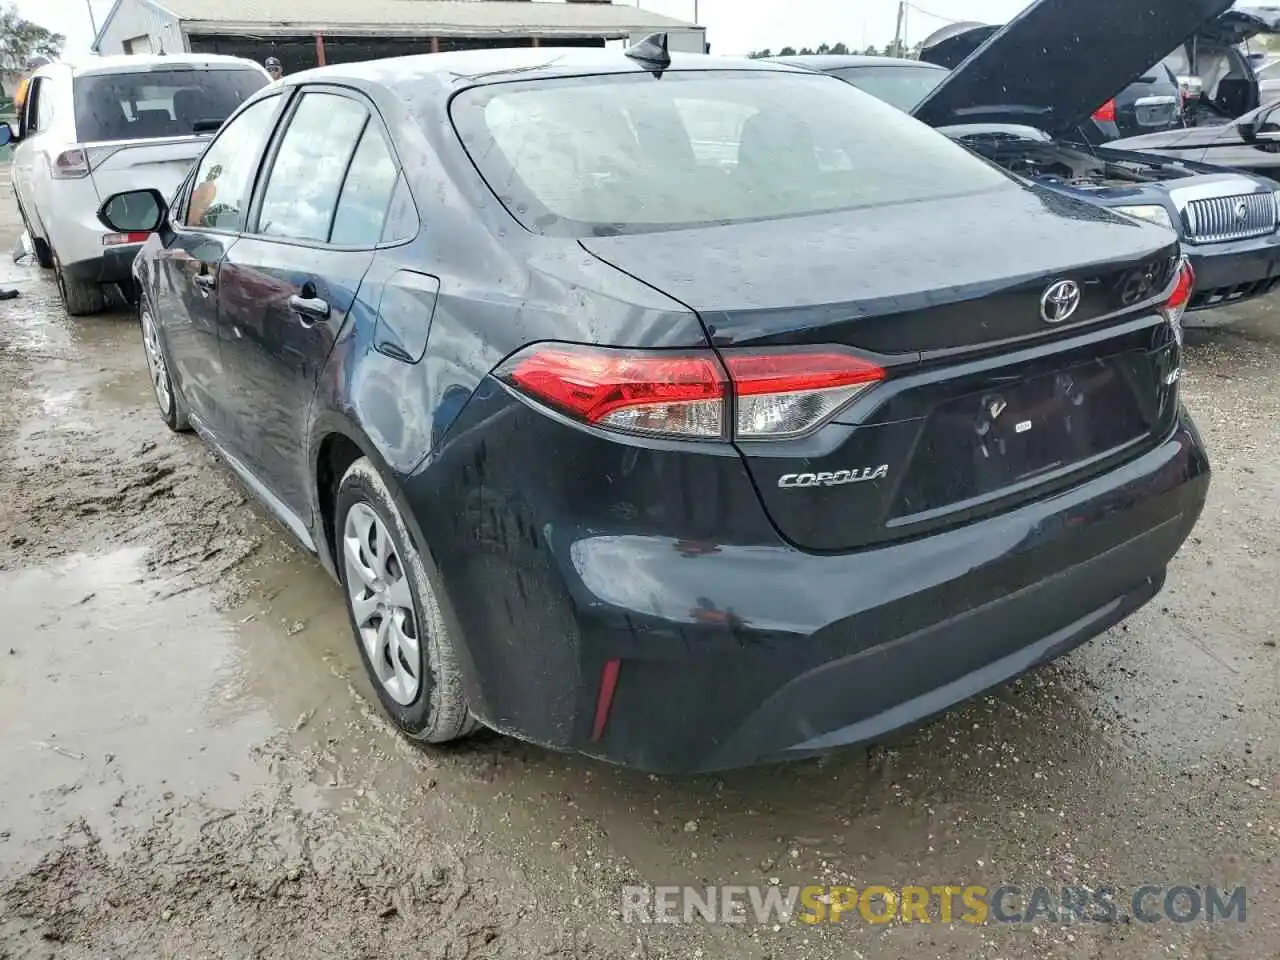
column 79, row 299
column 395, row 614
column 172, row 408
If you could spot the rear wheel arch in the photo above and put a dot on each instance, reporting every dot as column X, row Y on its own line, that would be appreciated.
column 336, row 444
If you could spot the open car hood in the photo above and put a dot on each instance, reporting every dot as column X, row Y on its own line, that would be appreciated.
column 1057, row 61
column 1240, row 24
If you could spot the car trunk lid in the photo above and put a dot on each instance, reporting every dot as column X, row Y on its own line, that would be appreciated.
column 985, row 402
column 1057, row 61
column 135, row 164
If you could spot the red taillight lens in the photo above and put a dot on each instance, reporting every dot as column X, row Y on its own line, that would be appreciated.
column 71, row 165
column 1106, row 112
column 786, row 394
column 1183, row 287
column 777, row 394
column 116, row 239
column 652, row 393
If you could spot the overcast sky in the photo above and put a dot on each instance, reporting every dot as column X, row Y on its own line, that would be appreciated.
column 733, row 26
column 739, row 26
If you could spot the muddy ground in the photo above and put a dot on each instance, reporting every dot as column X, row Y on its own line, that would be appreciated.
column 190, row 767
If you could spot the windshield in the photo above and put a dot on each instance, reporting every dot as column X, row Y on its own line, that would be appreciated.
column 626, row 153
column 901, row 87
column 158, row 103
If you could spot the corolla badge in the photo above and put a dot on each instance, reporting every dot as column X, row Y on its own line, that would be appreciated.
column 834, row 478
column 1060, row 301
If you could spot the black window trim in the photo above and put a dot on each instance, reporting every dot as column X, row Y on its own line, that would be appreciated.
column 186, row 228
column 373, row 115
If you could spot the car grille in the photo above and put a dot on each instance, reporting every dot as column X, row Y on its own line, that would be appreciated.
column 1231, row 218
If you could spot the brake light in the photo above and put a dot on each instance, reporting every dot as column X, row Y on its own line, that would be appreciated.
column 1183, row 287
column 651, row 393
column 1106, row 112
column 71, row 165
column 117, row 239
column 775, row 394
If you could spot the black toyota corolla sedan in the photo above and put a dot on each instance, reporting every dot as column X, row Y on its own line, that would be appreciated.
column 685, row 412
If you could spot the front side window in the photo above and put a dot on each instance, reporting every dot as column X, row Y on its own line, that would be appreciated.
column 302, row 189
column 225, row 172
column 629, row 153
column 158, row 103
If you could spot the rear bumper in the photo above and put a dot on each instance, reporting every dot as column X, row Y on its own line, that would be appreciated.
column 1229, row 273
column 730, row 654
column 114, row 266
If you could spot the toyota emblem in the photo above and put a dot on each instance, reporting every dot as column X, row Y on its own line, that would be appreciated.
column 1060, row 301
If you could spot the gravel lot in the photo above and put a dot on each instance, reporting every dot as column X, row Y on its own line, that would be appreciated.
column 190, row 765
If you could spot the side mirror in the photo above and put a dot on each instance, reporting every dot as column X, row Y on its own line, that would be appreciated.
column 1249, row 129
column 6, row 135
column 134, row 211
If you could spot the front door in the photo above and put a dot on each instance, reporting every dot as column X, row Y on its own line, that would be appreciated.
column 286, row 290
column 208, row 218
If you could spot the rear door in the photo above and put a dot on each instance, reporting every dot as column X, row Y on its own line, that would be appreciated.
column 29, row 165
column 207, row 219
column 285, row 289
column 144, row 127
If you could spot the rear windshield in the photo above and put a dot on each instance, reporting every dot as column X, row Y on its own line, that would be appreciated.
column 158, row 103
column 901, row 87
column 629, row 153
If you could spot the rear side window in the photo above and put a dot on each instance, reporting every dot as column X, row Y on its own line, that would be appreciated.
column 366, row 195
column 302, row 189
column 147, row 104
column 630, row 153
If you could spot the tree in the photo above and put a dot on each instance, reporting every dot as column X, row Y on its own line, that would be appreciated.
column 20, row 40
column 760, row 54
column 787, row 52
column 839, row 49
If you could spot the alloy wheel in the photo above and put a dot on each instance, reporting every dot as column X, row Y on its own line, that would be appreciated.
column 381, row 603
column 156, row 365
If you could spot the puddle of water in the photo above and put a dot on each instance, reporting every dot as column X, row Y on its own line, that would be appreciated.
column 110, row 698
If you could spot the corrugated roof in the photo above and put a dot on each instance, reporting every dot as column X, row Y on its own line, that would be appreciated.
column 444, row 18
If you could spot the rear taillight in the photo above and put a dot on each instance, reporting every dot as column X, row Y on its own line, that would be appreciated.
column 754, row 395
column 119, row 239
column 787, row 394
column 1183, row 287
column 71, row 165
column 1106, row 112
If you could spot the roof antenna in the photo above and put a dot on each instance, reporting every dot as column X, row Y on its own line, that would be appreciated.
column 651, row 52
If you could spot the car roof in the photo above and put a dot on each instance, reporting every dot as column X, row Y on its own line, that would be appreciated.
column 461, row 68
column 134, row 63
column 834, row 61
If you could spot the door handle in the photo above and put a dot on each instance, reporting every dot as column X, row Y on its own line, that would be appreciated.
column 309, row 309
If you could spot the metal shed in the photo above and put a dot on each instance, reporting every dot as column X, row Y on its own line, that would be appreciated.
column 317, row 32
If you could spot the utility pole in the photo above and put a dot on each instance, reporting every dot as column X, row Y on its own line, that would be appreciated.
column 695, row 12
column 897, row 33
column 93, row 24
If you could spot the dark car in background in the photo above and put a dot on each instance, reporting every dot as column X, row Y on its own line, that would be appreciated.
column 1023, row 109
column 1148, row 104
column 681, row 452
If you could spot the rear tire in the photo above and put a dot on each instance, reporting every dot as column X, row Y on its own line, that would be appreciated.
column 395, row 614
column 79, row 299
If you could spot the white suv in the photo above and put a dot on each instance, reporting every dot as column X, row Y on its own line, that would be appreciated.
column 102, row 126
